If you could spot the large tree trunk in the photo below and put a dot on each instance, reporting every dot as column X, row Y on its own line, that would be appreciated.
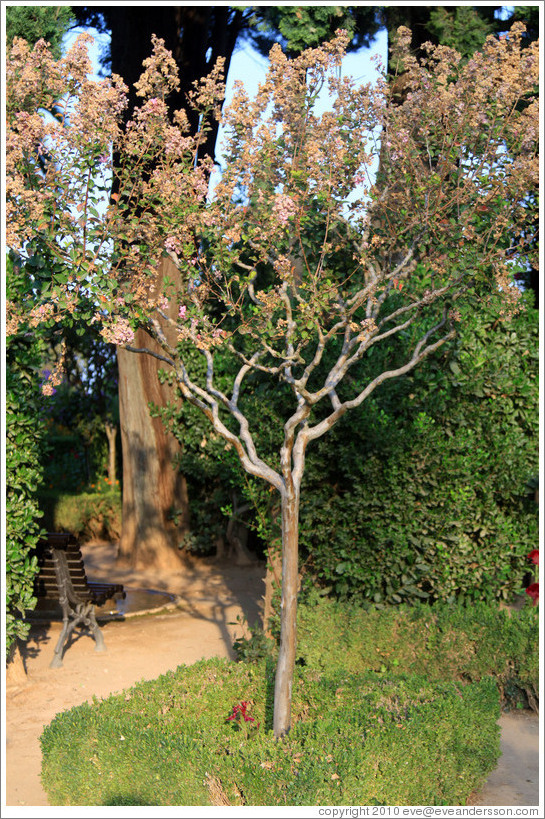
column 288, row 618
column 196, row 35
column 111, row 434
column 152, row 488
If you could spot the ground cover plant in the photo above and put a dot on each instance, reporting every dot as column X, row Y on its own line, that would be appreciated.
column 355, row 739
column 283, row 271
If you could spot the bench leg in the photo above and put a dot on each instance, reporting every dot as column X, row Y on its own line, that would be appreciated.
column 88, row 619
column 99, row 637
column 56, row 662
column 91, row 623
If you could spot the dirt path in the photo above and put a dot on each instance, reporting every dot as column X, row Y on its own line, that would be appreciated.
column 203, row 624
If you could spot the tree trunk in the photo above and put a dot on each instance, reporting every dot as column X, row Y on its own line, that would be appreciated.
column 16, row 674
column 288, row 617
column 153, row 490
column 196, row 35
column 111, row 434
column 273, row 581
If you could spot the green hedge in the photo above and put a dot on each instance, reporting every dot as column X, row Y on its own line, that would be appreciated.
column 442, row 642
column 421, row 493
column 87, row 515
column 357, row 739
column 25, row 428
column 22, row 512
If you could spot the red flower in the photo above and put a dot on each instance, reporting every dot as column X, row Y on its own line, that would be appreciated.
column 240, row 711
column 533, row 591
column 534, row 556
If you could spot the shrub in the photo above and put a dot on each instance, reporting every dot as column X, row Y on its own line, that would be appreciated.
column 355, row 740
column 66, row 465
column 442, row 642
column 89, row 515
column 22, row 513
column 24, row 443
column 420, row 494
column 425, row 497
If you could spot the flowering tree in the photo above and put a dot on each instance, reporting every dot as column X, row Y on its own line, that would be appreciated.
column 301, row 264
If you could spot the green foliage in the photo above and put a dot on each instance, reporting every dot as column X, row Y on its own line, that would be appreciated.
column 88, row 515
column 24, row 443
column 215, row 479
column 79, row 411
column 354, row 741
column 418, row 495
column 35, row 22
column 65, row 466
column 441, row 642
column 300, row 27
column 255, row 647
column 425, row 496
column 461, row 28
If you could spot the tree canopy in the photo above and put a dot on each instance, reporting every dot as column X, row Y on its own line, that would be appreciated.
column 301, row 263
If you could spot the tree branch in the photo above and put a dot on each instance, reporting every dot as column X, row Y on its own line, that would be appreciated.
column 420, row 352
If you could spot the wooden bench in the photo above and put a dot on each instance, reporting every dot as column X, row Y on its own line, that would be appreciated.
column 62, row 580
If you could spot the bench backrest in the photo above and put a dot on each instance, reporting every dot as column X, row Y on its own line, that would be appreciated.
column 59, row 556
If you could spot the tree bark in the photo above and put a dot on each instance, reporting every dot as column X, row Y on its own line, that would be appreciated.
column 16, row 674
column 273, row 581
column 153, row 489
column 197, row 36
column 111, row 434
column 288, row 618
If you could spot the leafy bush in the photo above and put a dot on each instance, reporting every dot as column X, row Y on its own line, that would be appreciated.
column 355, row 740
column 22, row 513
column 94, row 514
column 65, row 468
column 24, row 443
column 420, row 494
column 424, row 497
column 80, row 411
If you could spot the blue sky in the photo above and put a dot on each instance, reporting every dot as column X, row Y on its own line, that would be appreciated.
column 249, row 66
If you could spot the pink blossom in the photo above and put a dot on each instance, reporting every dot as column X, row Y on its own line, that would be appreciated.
column 172, row 244
column 284, row 208
column 182, row 311
column 118, row 332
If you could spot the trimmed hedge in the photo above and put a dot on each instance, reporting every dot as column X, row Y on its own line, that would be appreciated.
column 356, row 739
column 442, row 642
column 88, row 515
